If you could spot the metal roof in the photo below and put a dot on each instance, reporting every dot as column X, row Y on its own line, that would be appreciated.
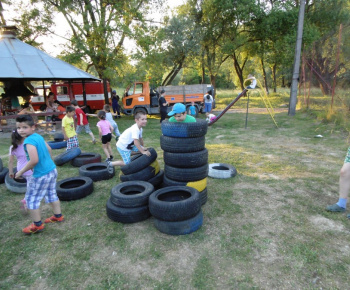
column 19, row 60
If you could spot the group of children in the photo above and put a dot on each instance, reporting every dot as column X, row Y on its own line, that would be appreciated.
column 34, row 159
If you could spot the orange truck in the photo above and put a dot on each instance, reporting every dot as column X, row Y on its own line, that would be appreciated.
column 140, row 96
column 65, row 92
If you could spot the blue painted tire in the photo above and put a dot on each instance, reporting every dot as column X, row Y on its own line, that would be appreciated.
column 180, row 227
column 57, row 144
column 67, row 156
column 184, row 130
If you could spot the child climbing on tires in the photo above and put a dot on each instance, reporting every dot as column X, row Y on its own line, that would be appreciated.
column 131, row 141
column 104, row 130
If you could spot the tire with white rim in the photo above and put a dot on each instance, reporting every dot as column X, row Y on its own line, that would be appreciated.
column 221, row 170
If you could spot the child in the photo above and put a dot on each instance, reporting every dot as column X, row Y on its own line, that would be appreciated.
column 109, row 118
column 68, row 128
column 17, row 150
column 210, row 117
column 82, row 121
column 43, row 181
column 192, row 110
column 179, row 114
column 104, row 129
column 131, row 140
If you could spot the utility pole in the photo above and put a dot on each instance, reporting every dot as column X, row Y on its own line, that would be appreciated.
column 295, row 78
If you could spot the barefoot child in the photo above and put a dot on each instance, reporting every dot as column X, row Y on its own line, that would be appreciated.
column 104, row 130
column 42, row 184
column 17, row 150
column 131, row 140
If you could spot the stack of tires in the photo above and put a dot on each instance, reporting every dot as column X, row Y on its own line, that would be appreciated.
column 185, row 155
column 143, row 168
column 176, row 210
column 128, row 202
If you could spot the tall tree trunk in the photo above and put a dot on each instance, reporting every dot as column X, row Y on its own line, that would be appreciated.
column 213, row 82
column 294, row 88
column 274, row 78
column 203, row 68
column 264, row 75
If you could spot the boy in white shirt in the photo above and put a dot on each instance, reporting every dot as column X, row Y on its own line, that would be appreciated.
column 131, row 141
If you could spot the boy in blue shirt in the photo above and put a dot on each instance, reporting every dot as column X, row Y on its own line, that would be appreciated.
column 43, row 181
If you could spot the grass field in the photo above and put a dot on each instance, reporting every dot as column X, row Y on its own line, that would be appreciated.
column 266, row 228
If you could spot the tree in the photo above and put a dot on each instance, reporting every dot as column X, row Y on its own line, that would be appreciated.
column 99, row 29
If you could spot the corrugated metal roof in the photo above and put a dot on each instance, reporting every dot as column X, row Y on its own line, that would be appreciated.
column 19, row 60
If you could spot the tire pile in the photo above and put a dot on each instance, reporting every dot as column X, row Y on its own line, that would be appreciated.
column 128, row 202
column 185, row 155
column 143, row 168
column 176, row 209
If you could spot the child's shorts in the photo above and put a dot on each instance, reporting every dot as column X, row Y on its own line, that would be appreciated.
column 81, row 127
column 347, row 157
column 106, row 138
column 40, row 187
column 125, row 154
column 72, row 142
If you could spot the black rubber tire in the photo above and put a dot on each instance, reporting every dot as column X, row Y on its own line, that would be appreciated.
column 139, row 162
column 203, row 195
column 127, row 215
column 182, row 145
column 174, row 203
column 131, row 193
column 186, row 174
column 221, row 170
column 1, row 165
column 186, row 160
column 15, row 185
column 157, row 180
column 58, row 137
column 67, row 156
column 3, row 173
column 97, row 171
column 184, row 130
column 57, row 144
column 74, row 188
column 200, row 185
column 145, row 174
column 86, row 158
column 180, row 227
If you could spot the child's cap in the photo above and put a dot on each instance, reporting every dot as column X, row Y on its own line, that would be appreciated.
column 114, row 92
column 178, row 108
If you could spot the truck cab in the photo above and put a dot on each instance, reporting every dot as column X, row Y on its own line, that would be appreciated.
column 140, row 96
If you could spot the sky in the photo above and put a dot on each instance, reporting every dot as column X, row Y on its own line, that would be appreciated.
column 54, row 44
